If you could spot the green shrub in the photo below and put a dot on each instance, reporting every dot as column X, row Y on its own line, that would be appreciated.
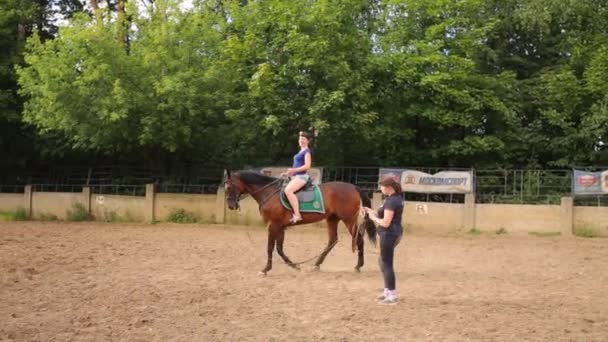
column 585, row 231
column 18, row 215
column 501, row 231
column 47, row 217
column 545, row 234
column 78, row 213
column 178, row 215
column 474, row 231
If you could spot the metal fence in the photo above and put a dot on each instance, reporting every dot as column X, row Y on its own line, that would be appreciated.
column 57, row 187
column 366, row 178
column 517, row 186
column 119, row 189
column 12, row 189
column 189, row 188
column 522, row 186
column 117, row 180
column 491, row 186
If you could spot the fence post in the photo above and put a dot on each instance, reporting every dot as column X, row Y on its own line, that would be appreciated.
column 469, row 211
column 27, row 200
column 567, row 216
column 376, row 200
column 150, row 195
column 86, row 196
column 220, row 206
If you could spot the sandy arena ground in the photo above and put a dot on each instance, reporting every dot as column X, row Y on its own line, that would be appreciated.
column 129, row 282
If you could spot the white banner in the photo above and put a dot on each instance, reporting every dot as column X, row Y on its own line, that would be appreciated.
column 275, row 171
column 590, row 183
column 445, row 182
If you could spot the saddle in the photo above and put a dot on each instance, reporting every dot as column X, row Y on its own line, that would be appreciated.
column 309, row 196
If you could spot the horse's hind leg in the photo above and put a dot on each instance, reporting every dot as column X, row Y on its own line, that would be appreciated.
column 360, row 258
column 357, row 240
column 280, row 240
column 332, row 231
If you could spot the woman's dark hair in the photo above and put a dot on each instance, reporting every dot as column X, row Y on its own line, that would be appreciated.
column 305, row 135
column 390, row 181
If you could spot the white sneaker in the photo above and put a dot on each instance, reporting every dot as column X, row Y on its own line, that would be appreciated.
column 383, row 294
column 389, row 301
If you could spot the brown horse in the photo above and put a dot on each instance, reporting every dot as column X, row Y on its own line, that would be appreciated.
column 342, row 203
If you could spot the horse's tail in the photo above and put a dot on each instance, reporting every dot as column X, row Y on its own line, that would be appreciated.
column 367, row 223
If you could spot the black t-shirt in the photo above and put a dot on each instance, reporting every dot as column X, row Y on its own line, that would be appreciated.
column 393, row 202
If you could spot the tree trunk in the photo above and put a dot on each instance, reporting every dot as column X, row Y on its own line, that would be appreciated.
column 98, row 15
column 124, row 22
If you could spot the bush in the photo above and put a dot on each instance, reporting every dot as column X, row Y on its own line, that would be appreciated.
column 179, row 215
column 17, row 215
column 545, row 234
column 47, row 217
column 474, row 231
column 586, row 232
column 78, row 213
column 111, row 216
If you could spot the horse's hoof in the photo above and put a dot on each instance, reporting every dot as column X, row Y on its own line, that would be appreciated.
column 295, row 267
column 262, row 274
column 316, row 268
column 358, row 269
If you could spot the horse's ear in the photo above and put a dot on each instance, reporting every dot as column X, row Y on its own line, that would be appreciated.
column 226, row 174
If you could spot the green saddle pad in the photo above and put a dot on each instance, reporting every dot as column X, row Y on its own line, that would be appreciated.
column 310, row 199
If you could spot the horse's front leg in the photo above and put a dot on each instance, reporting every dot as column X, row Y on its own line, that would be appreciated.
column 270, row 250
column 280, row 240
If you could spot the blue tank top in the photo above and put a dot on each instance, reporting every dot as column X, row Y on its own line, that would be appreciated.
column 299, row 159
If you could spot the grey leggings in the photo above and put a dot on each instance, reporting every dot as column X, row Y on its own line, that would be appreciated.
column 387, row 252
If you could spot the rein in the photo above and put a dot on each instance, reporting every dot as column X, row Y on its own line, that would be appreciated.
column 262, row 188
column 318, row 255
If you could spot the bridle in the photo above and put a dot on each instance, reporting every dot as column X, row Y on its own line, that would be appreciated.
column 240, row 196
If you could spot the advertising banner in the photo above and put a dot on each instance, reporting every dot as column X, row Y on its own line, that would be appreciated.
column 590, row 183
column 445, row 182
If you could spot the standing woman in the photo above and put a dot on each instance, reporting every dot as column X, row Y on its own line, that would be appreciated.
column 302, row 162
column 390, row 230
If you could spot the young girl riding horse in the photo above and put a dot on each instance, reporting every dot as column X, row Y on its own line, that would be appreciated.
column 302, row 162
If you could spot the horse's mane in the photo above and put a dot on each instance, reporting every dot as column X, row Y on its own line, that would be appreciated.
column 252, row 177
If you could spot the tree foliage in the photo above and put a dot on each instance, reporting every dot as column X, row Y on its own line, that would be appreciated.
column 394, row 82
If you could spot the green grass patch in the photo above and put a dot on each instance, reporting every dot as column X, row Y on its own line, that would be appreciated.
column 113, row 216
column 78, row 213
column 474, row 231
column 545, row 234
column 17, row 215
column 585, row 232
column 178, row 215
column 47, row 217
column 501, row 231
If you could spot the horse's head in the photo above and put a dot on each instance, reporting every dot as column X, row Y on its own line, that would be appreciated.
column 234, row 188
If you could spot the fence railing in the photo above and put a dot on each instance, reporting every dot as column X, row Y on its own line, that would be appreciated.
column 57, row 187
column 188, row 188
column 119, row 189
column 517, row 186
column 522, row 186
column 11, row 189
